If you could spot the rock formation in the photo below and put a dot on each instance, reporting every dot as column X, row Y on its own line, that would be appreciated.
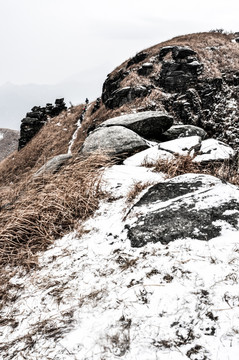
column 36, row 118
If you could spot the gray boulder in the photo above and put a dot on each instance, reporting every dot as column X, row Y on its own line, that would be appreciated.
column 191, row 206
column 148, row 124
column 53, row 165
column 177, row 131
column 114, row 140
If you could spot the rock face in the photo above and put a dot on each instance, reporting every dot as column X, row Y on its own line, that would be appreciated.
column 114, row 140
column 188, row 206
column 125, row 95
column 197, row 84
column 36, row 118
column 8, row 142
column 148, row 124
column 182, row 71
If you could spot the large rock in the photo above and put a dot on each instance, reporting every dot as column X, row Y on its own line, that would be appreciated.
column 53, row 165
column 114, row 140
column 148, row 124
column 189, row 206
column 177, row 131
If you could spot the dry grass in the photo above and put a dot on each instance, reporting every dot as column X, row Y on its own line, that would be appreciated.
column 53, row 139
column 47, row 207
column 135, row 190
column 227, row 170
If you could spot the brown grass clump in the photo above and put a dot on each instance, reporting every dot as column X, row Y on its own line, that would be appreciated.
column 47, row 207
column 175, row 167
column 227, row 170
column 136, row 189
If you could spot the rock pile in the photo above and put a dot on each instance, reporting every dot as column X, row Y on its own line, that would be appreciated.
column 36, row 118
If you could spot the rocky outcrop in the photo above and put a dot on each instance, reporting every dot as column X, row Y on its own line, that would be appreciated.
column 148, row 124
column 8, row 142
column 36, row 118
column 115, row 141
column 125, row 95
column 188, row 206
column 181, row 71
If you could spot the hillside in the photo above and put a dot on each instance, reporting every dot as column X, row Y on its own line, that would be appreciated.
column 119, row 218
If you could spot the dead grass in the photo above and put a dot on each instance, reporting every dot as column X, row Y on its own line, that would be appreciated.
column 47, row 207
column 53, row 139
column 135, row 190
column 227, row 170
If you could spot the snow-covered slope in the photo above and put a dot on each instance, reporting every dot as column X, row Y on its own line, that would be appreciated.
column 96, row 297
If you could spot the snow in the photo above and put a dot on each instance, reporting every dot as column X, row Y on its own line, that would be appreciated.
column 212, row 149
column 181, row 146
column 71, row 143
column 150, row 155
column 95, row 297
column 1, row 136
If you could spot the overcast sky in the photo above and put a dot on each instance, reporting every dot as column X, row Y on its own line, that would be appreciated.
column 52, row 41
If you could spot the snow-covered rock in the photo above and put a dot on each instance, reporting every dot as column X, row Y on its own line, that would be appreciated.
column 150, row 155
column 182, row 146
column 188, row 206
column 212, row 149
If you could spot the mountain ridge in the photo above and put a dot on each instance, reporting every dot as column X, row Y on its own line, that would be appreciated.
column 127, row 247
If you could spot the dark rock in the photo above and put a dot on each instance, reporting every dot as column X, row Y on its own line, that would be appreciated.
column 188, row 206
column 148, row 124
column 182, row 71
column 183, row 131
column 35, row 119
column 137, row 59
column 111, row 84
column 182, row 52
column 115, row 140
column 145, row 69
column 237, row 39
column 125, row 95
column 164, row 51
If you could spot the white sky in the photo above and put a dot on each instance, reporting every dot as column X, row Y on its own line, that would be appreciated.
column 49, row 41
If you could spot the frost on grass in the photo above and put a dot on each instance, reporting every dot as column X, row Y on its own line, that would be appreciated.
column 95, row 297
